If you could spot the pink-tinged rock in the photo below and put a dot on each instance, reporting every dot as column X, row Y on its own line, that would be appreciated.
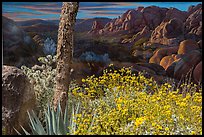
column 18, row 97
column 153, row 16
column 178, row 56
column 170, row 69
column 166, row 61
column 174, row 13
column 159, row 54
column 173, row 28
column 193, row 8
column 197, row 73
column 168, row 33
column 140, row 8
column 186, row 64
column 187, row 46
column 193, row 24
column 97, row 26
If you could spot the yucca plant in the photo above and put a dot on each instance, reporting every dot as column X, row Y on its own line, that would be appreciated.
column 56, row 123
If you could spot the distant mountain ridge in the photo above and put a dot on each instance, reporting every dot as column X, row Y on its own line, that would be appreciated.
column 35, row 21
column 81, row 25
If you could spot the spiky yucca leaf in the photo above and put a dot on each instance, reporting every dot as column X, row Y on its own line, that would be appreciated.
column 56, row 123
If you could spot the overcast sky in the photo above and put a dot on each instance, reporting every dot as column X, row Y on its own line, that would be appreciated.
column 51, row 10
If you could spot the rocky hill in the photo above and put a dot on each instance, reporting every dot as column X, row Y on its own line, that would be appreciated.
column 151, row 38
column 165, row 36
column 18, row 46
column 164, row 24
column 84, row 25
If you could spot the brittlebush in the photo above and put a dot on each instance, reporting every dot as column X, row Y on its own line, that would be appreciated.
column 121, row 103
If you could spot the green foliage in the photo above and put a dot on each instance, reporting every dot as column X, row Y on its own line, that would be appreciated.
column 3, row 131
column 138, row 45
column 140, row 42
column 56, row 122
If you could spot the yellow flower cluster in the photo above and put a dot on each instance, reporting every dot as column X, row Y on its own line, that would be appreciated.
column 121, row 103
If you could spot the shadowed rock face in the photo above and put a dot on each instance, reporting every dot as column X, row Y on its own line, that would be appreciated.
column 96, row 27
column 197, row 73
column 12, row 34
column 17, row 45
column 187, row 64
column 160, row 53
column 168, row 33
column 17, row 98
column 193, row 23
column 134, row 20
column 187, row 46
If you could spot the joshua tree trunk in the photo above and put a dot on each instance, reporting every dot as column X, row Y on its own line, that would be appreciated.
column 64, row 52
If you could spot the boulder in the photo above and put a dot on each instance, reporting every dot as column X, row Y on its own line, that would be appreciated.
column 158, row 70
column 170, row 69
column 186, row 64
column 174, row 13
column 187, row 46
column 173, row 28
column 153, row 16
column 141, row 68
column 160, row 53
column 17, row 98
column 166, row 61
column 168, row 33
column 197, row 73
column 193, row 24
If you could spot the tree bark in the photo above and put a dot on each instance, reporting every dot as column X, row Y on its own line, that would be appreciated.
column 64, row 52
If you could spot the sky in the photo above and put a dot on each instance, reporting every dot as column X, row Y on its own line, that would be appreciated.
column 19, row 11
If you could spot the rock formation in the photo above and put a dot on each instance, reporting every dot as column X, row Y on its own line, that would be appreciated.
column 96, row 27
column 197, row 73
column 193, row 24
column 135, row 20
column 168, row 33
column 17, row 98
column 185, row 66
column 187, row 46
column 38, row 39
column 18, row 47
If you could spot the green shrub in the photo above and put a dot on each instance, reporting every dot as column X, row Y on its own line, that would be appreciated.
column 140, row 42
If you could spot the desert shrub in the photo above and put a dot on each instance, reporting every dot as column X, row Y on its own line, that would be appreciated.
column 43, row 80
column 56, row 121
column 92, row 57
column 49, row 47
column 3, row 129
column 121, row 103
column 138, row 45
column 140, row 42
